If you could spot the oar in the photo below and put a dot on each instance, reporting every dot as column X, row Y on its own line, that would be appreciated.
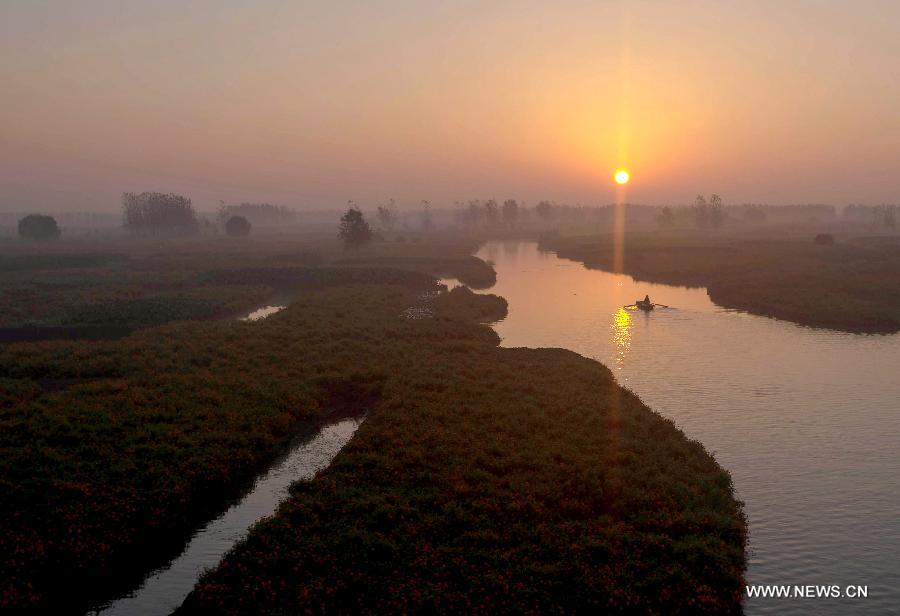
column 662, row 305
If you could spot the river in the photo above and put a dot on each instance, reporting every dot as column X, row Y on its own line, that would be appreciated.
column 806, row 420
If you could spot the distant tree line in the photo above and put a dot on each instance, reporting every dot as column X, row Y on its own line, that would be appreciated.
column 260, row 214
column 490, row 215
column 708, row 214
column 154, row 213
column 884, row 215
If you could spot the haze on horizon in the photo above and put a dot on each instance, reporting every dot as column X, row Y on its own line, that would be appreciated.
column 308, row 104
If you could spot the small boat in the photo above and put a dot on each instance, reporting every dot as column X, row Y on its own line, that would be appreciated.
column 644, row 305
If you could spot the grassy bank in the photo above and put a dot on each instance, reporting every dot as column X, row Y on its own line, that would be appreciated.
column 850, row 286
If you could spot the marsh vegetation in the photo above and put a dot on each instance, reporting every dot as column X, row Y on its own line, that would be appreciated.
column 485, row 477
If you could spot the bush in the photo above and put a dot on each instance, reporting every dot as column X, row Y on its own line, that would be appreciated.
column 237, row 226
column 38, row 227
column 824, row 239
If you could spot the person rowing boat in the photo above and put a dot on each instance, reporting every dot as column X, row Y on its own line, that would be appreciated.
column 646, row 305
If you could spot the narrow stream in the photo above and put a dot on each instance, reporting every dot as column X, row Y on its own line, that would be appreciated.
column 165, row 589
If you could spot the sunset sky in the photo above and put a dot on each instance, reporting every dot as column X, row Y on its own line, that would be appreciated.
column 309, row 104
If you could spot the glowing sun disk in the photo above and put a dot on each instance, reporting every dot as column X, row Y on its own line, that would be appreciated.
column 622, row 177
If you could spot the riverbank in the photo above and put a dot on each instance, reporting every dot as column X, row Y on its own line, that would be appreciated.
column 517, row 478
column 851, row 286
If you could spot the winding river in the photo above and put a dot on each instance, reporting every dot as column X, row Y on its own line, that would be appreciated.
column 806, row 420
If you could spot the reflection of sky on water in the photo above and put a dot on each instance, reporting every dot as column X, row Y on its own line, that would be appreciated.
column 807, row 421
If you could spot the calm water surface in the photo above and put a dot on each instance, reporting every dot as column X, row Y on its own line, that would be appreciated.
column 807, row 421
column 164, row 590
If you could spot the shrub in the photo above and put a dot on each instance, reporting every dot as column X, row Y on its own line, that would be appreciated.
column 38, row 227
column 237, row 226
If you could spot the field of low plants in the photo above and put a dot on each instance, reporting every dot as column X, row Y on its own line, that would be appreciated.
column 852, row 285
column 495, row 480
column 107, row 288
column 484, row 479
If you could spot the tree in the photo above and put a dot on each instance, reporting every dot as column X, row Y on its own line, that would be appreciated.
column 544, row 210
column 354, row 229
column 666, row 218
column 510, row 213
column 474, row 214
column 716, row 212
column 701, row 212
column 427, row 220
column 237, row 226
column 38, row 227
column 491, row 212
column 157, row 213
column 387, row 216
column 889, row 219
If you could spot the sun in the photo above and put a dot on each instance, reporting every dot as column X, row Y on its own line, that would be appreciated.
column 622, row 177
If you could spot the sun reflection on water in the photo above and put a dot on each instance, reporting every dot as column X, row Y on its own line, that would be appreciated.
column 621, row 328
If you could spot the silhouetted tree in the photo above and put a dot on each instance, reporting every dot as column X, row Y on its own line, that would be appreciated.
column 491, row 212
column 716, row 212
column 666, row 218
column 427, row 220
column 510, row 213
column 544, row 209
column 474, row 214
column 156, row 213
column 700, row 210
column 38, row 227
column 387, row 216
column 237, row 226
column 354, row 229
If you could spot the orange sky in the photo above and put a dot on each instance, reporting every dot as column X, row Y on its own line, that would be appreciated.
column 309, row 104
